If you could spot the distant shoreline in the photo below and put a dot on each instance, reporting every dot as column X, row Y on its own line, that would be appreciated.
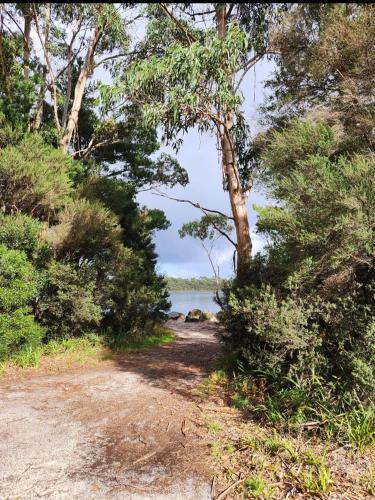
column 202, row 284
column 189, row 290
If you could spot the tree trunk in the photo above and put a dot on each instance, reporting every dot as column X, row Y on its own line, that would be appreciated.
column 236, row 195
column 38, row 116
column 79, row 91
column 26, row 44
column 69, row 87
column 237, row 201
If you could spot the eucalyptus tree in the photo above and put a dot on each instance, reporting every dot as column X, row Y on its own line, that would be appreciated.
column 65, row 45
column 207, row 230
column 188, row 73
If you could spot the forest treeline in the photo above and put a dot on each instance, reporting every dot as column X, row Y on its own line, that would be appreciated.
column 76, row 251
column 203, row 283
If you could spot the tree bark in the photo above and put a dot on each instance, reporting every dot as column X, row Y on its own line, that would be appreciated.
column 26, row 43
column 236, row 195
column 38, row 117
column 237, row 201
column 79, row 91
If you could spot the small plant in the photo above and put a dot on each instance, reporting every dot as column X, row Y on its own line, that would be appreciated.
column 256, row 487
column 359, row 427
column 220, row 448
column 318, row 479
column 214, row 426
column 368, row 481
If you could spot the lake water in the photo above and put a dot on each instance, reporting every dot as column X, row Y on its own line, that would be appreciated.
column 185, row 301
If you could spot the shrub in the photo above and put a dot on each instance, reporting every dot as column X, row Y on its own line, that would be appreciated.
column 22, row 232
column 18, row 286
column 68, row 306
column 34, row 178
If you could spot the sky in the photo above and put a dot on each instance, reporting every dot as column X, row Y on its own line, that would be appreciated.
column 186, row 258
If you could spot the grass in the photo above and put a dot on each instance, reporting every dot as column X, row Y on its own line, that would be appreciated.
column 310, row 450
column 256, row 487
column 160, row 336
column 88, row 349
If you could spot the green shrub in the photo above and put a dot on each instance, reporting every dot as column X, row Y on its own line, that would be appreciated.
column 19, row 333
column 34, row 178
column 68, row 305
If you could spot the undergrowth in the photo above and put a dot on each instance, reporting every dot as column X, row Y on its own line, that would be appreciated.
column 291, row 410
column 86, row 347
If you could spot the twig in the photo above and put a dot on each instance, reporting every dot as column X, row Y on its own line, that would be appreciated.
column 141, row 440
column 145, row 457
column 225, row 492
column 183, row 428
column 213, row 487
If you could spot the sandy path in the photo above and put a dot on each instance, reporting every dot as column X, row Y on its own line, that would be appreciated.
column 125, row 429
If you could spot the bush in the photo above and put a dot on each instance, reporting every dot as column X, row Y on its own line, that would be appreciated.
column 68, row 305
column 309, row 351
column 34, row 178
column 19, row 333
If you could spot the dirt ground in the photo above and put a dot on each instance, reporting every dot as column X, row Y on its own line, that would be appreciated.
column 126, row 428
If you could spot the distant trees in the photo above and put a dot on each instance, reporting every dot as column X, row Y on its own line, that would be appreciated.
column 195, row 284
column 207, row 230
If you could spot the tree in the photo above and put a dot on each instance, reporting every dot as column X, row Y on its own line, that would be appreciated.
column 186, row 76
column 325, row 63
column 307, row 318
column 208, row 230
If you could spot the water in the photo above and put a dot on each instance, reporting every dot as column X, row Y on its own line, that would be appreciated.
column 185, row 301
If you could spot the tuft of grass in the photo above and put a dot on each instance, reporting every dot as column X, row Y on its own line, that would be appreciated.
column 214, row 426
column 317, row 479
column 256, row 487
column 359, row 427
column 368, row 481
column 27, row 357
column 220, row 448
column 159, row 336
column 87, row 344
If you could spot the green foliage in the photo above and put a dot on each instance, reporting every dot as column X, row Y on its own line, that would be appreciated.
column 67, row 304
column 34, row 178
column 178, row 87
column 304, row 324
column 19, row 333
column 21, row 232
column 17, row 93
column 206, row 228
column 86, row 231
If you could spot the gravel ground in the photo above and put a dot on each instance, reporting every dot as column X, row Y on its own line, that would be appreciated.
column 123, row 429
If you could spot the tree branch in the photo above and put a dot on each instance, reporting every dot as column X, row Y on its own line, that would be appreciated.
column 247, row 67
column 206, row 211
column 196, row 205
column 188, row 35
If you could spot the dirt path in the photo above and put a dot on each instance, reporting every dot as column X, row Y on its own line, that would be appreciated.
column 125, row 429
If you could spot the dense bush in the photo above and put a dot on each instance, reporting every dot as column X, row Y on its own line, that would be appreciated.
column 34, row 178
column 18, row 287
column 70, row 263
column 308, row 317
column 67, row 304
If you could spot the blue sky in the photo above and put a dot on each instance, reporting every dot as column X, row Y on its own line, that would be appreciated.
column 186, row 258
